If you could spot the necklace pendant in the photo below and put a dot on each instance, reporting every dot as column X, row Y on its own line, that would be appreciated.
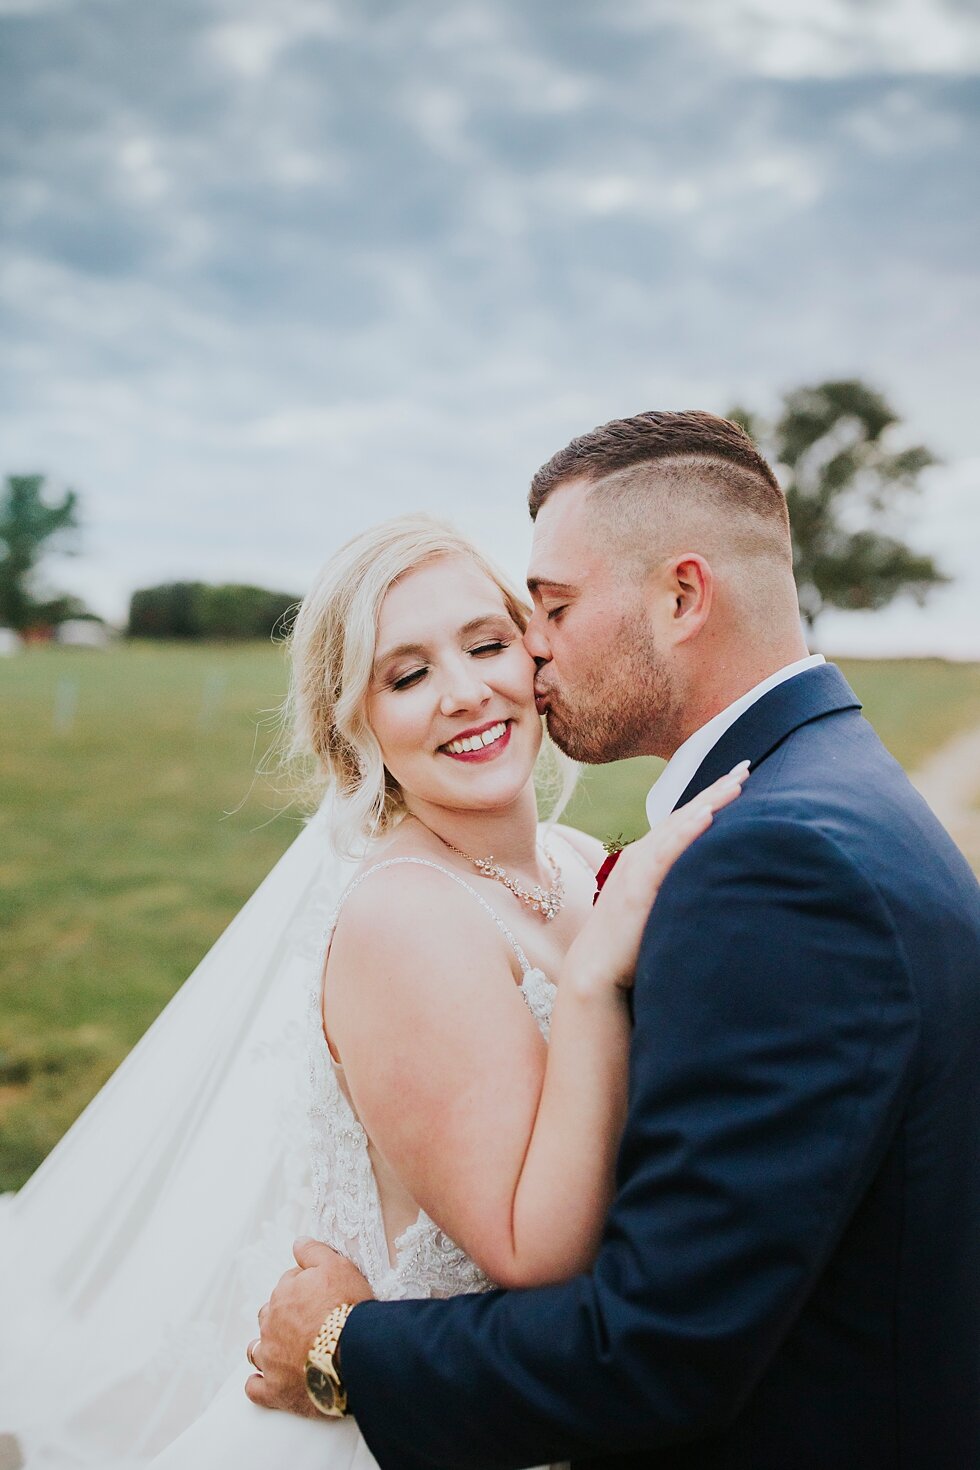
column 548, row 905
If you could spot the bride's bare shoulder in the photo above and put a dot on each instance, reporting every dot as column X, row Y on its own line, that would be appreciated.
column 411, row 951
column 404, row 905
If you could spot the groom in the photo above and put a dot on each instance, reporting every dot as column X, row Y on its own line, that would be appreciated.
column 790, row 1273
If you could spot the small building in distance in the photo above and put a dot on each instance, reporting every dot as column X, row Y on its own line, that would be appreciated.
column 82, row 633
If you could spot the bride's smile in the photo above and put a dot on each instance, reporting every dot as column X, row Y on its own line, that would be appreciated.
column 482, row 744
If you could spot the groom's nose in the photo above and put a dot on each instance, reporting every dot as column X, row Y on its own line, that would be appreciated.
column 535, row 640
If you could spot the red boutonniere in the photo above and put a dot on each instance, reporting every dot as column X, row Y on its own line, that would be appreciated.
column 613, row 849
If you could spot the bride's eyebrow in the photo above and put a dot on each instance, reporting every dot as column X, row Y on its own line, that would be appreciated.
column 400, row 650
column 486, row 620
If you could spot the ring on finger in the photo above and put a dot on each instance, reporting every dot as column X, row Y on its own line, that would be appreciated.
column 250, row 1353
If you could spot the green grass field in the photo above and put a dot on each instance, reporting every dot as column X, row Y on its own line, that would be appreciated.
column 132, row 827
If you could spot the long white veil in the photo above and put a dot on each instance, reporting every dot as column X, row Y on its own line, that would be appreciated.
column 133, row 1262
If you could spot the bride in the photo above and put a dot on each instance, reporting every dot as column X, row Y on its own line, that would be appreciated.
column 451, row 1148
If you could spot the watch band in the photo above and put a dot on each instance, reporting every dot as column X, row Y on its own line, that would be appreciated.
column 329, row 1396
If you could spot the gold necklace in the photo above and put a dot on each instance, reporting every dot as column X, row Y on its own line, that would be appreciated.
column 547, row 904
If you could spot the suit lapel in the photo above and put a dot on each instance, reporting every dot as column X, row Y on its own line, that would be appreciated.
column 766, row 724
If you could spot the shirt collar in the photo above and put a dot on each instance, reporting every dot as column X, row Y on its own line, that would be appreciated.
column 673, row 780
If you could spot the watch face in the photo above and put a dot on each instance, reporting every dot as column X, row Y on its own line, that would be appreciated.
column 322, row 1389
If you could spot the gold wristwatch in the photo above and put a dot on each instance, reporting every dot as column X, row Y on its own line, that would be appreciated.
column 323, row 1382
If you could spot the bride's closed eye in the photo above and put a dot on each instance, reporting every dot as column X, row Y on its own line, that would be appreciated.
column 406, row 681
column 497, row 646
column 482, row 650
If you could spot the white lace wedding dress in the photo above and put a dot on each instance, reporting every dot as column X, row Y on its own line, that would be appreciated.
column 348, row 1215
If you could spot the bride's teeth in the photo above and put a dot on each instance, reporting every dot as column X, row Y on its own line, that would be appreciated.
column 477, row 742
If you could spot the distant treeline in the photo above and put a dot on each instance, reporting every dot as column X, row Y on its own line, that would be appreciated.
column 198, row 610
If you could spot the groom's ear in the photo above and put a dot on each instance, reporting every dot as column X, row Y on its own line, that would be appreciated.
column 692, row 590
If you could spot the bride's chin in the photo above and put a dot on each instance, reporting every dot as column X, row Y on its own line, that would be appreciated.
column 488, row 794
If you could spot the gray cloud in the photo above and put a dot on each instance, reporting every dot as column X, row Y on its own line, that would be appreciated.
column 268, row 274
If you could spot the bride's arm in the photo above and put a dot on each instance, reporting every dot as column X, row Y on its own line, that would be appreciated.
column 508, row 1144
column 446, row 1068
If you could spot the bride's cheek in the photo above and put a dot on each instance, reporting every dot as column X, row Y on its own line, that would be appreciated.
column 523, row 670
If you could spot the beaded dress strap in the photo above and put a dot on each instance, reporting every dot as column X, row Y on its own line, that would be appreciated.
column 522, row 958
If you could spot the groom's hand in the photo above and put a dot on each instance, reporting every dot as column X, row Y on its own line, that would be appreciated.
column 291, row 1319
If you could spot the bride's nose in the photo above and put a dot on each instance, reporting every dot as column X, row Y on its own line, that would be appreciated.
column 464, row 689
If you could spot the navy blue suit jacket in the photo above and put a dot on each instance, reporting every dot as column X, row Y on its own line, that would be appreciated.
column 790, row 1274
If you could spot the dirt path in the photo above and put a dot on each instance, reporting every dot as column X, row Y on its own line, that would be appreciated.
column 950, row 783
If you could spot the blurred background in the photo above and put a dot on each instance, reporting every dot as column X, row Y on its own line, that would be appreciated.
column 271, row 273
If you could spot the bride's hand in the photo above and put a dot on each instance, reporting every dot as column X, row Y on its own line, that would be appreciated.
column 604, row 953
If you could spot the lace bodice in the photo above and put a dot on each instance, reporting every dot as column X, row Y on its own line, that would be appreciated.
column 347, row 1210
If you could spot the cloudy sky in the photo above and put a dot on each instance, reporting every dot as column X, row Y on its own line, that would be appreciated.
column 271, row 270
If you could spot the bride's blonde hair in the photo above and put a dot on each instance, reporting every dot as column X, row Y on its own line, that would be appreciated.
column 332, row 648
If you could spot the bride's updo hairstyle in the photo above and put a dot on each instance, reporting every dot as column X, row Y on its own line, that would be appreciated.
column 332, row 647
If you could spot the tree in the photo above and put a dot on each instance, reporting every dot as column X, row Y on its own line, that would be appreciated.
column 197, row 610
column 28, row 526
column 832, row 448
column 172, row 610
column 235, row 610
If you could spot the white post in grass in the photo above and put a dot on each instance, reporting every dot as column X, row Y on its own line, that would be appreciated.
column 65, row 705
column 214, row 688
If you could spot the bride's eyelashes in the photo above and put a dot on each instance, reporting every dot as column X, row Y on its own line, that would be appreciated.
column 482, row 650
column 496, row 646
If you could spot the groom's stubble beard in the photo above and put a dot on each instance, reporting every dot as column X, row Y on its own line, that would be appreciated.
column 625, row 707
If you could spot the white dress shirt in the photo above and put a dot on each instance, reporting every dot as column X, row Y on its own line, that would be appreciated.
column 673, row 780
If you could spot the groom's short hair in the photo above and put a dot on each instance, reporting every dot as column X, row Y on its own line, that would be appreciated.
column 706, row 455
